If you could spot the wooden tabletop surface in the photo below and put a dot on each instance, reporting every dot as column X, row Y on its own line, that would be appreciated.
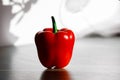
column 93, row 59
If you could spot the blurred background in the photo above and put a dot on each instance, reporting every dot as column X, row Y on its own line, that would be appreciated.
column 20, row 20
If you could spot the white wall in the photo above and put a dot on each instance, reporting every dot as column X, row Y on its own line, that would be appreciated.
column 21, row 19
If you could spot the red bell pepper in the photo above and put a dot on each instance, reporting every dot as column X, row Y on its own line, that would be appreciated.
column 54, row 46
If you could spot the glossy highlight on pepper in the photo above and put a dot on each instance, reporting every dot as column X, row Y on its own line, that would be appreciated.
column 54, row 46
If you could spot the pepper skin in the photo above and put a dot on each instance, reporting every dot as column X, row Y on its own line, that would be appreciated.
column 54, row 49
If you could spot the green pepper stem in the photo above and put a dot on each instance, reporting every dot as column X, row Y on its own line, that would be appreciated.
column 54, row 25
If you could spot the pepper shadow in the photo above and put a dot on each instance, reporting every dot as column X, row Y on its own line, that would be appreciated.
column 55, row 74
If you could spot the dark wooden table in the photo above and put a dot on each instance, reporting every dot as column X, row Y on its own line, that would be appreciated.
column 93, row 59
